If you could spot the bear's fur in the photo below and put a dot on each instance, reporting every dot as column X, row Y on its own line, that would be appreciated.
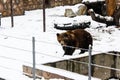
column 72, row 39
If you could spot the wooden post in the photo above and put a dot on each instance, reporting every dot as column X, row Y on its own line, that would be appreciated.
column 12, row 21
column 44, row 21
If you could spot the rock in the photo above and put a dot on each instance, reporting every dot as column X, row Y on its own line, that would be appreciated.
column 69, row 13
column 82, row 10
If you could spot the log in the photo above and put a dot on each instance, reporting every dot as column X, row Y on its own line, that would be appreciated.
column 102, row 19
column 71, row 26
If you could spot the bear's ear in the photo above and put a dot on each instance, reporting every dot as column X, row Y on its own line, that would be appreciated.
column 58, row 34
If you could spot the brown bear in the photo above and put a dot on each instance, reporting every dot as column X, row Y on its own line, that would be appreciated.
column 73, row 39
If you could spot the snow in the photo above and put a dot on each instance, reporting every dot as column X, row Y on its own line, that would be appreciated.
column 16, row 42
column 92, row 0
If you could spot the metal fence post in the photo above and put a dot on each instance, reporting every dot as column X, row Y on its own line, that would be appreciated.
column 33, row 70
column 89, row 65
column 0, row 18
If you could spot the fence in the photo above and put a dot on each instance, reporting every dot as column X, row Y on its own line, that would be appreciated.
column 88, row 63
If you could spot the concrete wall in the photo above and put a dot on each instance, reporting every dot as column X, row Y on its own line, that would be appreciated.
column 19, row 6
column 5, row 7
column 103, row 59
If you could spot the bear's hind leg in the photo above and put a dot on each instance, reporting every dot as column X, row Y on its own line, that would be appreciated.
column 82, row 51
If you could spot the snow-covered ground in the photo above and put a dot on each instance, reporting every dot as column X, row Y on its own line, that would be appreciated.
column 16, row 42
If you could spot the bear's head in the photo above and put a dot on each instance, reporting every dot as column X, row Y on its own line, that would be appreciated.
column 65, row 39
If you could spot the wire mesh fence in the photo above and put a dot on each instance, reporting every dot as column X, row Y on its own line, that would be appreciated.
column 89, row 63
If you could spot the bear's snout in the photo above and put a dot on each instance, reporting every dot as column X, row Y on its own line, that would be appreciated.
column 63, row 43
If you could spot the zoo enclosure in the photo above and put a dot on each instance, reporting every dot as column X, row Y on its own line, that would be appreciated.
column 106, row 66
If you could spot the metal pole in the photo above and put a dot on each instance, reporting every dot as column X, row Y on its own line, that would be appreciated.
column 0, row 18
column 33, row 70
column 12, row 21
column 89, row 65
column 44, row 21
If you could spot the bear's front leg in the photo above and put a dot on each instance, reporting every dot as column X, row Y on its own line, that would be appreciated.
column 68, row 50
